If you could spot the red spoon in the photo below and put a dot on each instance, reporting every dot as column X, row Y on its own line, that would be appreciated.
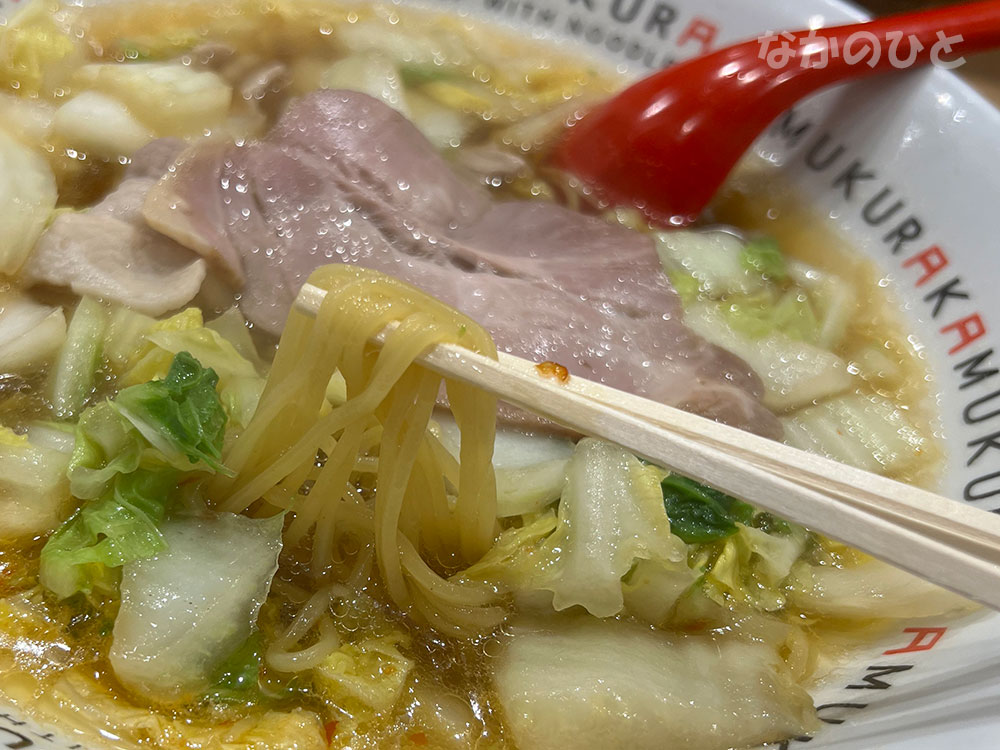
column 666, row 143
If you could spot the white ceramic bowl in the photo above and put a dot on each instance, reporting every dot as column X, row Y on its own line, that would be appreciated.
column 929, row 150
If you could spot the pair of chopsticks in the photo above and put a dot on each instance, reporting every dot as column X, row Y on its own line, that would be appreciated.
column 949, row 543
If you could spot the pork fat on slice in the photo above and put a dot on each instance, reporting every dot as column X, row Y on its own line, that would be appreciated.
column 344, row 177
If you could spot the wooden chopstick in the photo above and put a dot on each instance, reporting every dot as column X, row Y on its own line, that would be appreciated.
column 949, row 543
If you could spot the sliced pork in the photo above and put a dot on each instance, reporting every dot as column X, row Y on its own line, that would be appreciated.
column 345, row 178
column 378, row 158
column 109, row 251
column 155, row 158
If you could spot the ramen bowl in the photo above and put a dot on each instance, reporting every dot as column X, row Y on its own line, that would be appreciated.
column 905, row 169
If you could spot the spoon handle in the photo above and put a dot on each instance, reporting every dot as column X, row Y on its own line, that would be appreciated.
column 667, row 143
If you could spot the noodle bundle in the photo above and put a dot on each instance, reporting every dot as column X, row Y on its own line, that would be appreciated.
column 302, row 456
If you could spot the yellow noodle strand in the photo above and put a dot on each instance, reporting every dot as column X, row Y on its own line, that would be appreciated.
column 380, row 429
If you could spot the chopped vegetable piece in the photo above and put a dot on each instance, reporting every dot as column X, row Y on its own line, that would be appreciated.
column 80, row 358
column 187, row 612
column 34, row 496
column 517, row 556
column 751, row 566
column 126, row 329
column 180, row 415
column 869, row 590
column 415, row 74
column 104, row 534
column 170, row 98
column 232, row 359
column 758, row 316
column 686, row 285
column 232, row 326
column 106, row 446
column 652, row 589
column 38, row 53
column 30, row 333
column 593, row 685
column 130, row 484
column 370, row 73
column 610, row 515
column 238, row 679
column 530, row 469
column 56, row 436
column 101, row 125
column 28, row 120
column 366, row 676
column 763, row 256
column 700, row 514
column 833, row 298
column 443, row 127
column 869, row 432
column 713, row 258
column 27, row 197
column 795, row 373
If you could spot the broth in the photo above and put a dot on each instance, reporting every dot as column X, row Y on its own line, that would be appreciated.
column 509, row 96
column 757, row 202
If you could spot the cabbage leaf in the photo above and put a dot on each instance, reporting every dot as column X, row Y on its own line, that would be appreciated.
column 744, row 555
column 593, row 685
column 34, row 494
column 106, row 445
column 751, row 566
column 172, row 99
column 100, row 125
column 700, row 514
column 530, row 468
column 232, row 357
column 714, row 259
column 517, row 559
column 28, row 120
column 370, row 73
column 105, row 533
column 611, row 514
column 610, row 517
column 27, row 198
column 370, row 673
column 232, row 326
column 867, row 431
column 37, row 52
column 763, row 256
column 237, row 680
column 867, row 590
column 57, row 436
column 80, row 358
column 181, row 415
column 442, row 126
column 794, row 372
column 791, row 314
column 137, row 358
column 30, row 333
column 652, row 590
column 125, row 332
column 187, row 613
column 128, row 480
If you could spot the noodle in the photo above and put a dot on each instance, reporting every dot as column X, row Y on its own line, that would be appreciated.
column 282, row 657
column 382, row 430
